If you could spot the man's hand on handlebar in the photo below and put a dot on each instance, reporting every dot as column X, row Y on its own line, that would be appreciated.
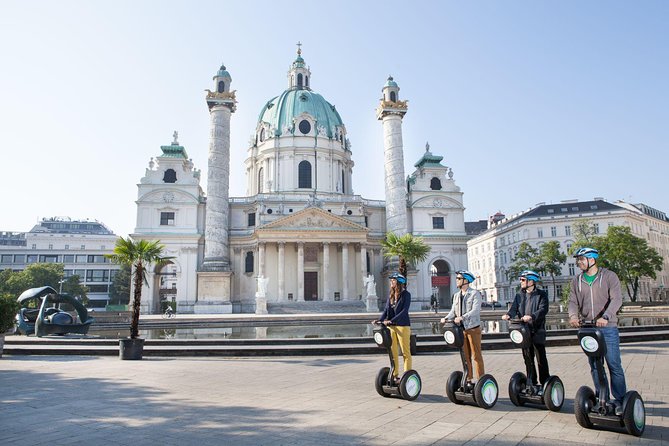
column 574, row 323
column 506, row 317
column 601, row 322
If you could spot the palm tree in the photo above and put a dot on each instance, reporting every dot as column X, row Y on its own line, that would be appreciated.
column 408, row 248
column 138, row 256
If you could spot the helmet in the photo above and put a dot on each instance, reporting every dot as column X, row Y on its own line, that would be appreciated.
column 530, row 275
column 590, row 253
column 469, row 277
column 400, row 278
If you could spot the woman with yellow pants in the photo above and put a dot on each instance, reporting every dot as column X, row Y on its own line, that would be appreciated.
column 396, row 317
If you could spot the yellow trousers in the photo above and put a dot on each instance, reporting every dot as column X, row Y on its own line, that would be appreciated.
column 472, row 347
column 401, row 337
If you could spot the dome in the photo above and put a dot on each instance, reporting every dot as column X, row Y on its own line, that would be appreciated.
column 222, row 72
column 390, row 82
column 281, row 111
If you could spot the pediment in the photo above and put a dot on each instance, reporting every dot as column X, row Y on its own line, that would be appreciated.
column 312, row 219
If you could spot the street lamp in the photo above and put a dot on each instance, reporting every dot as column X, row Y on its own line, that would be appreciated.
column 60, row 290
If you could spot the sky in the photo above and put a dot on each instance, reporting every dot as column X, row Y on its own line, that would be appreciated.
column 527, row 101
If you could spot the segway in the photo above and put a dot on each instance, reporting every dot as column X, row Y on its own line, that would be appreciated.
column 591, row 409
column 551, row 395
column 409, row 385
column 484, row 393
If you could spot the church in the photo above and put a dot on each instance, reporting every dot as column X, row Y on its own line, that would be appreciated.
column 300, row 238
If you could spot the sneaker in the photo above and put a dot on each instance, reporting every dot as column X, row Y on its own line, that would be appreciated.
column 619, row 408
column 539, row 390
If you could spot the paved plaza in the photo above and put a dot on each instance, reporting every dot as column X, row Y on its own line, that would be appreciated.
column 73, row 400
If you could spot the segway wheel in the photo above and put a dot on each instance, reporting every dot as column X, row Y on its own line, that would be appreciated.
column 584, row 401
column 634, row 413
column 517, row 383
column 554, row 394
column 381, row 380
column 452, row 385
column 486, row 391
column 410, row 385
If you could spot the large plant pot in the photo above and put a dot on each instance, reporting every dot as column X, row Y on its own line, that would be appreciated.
column 131, row 348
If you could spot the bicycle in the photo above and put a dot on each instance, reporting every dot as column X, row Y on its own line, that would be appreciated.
column 169, row 313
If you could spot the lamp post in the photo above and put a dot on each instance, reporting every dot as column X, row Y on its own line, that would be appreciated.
column 60, row 289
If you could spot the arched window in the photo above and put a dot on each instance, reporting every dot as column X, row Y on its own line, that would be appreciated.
column 221, row 87
column 170, row 176
column 393, row 96
column 435, row 184
column 343, row 183
column 262, row 134
column 261, row 180
column 248, row 262
column 304, row 175
column 299, row 80
column 306, row 80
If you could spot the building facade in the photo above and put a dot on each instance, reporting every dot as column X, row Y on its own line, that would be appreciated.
column 492, row 252
column 301, row 234
column 80, row 245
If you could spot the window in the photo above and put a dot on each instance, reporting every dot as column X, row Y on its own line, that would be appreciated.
column 567, row 230
column 97, row 259
column 343, row 182
column 252, row 219
column 551, row 211
column 67, row 247
column 393, row 96
column 81, row 258
column 83, row 247
column 248, row 262
column 299, row 80
column 435, row 184
column 553, row 231
column 221, row 87
column 167, row 219
column 98, row 288
column 305, row 127
column 437, row 222
column 20, row 258
column 34, row 246
column 97, row 275
column 304, row 174
column 170, row 176
column 32, row 258
column 50, row 246
column 6, row 258
column 48, row 259
column 572, row 271
column 558, row 290
column 540, row 232
column 595, row 228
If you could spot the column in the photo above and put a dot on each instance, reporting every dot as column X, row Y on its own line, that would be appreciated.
column 363, row 268
column 344, row 270
column 281, row 279
column 327, row 294
column 300, row 271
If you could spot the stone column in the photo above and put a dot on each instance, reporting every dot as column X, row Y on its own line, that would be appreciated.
column 281, row 279
column 300, row 271
column 344, row 270
column 327, row 294
column 363, row 268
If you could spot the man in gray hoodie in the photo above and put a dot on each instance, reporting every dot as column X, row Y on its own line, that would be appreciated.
column 595, row 296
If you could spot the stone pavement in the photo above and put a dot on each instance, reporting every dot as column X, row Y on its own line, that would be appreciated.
column 71, row 400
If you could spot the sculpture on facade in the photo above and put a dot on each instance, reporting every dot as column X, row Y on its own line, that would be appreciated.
column 370, row 284
column 262, row 286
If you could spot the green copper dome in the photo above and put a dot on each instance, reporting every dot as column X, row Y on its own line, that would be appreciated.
column 280, row 112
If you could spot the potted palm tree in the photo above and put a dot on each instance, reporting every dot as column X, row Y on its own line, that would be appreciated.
column 8, row 309
column 408, row 248
column 138, row 256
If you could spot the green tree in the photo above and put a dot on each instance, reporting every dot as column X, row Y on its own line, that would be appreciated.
column 584, row 234
column 551, row 260
column 138, row 256
column 527, row 257
column 35, row 275
column 629, row 257
column 408, row 248
column 119, row 291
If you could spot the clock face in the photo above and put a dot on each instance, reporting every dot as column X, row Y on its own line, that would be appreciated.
column 168, row 197
column 437, row 203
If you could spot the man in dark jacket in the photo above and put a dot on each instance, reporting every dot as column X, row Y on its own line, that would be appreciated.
column 531, row 306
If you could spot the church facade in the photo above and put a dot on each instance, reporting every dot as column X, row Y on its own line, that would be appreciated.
column 300, row 236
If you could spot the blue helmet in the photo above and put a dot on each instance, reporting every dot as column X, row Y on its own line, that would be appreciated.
column 590, row 253
column 469, row 277
column 530, row 275
column 397, row 276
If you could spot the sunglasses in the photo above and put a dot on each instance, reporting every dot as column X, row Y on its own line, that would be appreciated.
column 459, row 278
column 523, row 280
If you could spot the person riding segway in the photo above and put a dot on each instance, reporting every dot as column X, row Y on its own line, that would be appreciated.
column 393, row 330
column 527, row 330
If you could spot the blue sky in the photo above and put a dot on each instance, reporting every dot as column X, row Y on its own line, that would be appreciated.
column 528, row 101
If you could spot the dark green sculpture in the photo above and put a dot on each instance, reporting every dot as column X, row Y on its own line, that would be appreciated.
column 44, row 311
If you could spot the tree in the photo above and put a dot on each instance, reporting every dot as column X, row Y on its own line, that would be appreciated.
column 629, row 257
column 138, row 256
column 527, row 257
column 584, row 234
column 408, row 248
column 35, row 275
column 73, row 287
column 551, row 260
column 119, row 290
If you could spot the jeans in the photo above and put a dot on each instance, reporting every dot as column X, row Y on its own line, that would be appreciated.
column 542, row 364
column 613, row 361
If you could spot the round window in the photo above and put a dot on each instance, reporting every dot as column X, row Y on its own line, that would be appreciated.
column 269, row 211
column 305, row 127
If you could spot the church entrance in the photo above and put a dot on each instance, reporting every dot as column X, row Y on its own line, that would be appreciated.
column 441, row 283
column 310, row 285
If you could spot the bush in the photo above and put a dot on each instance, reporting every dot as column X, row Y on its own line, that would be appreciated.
column 8, row 309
